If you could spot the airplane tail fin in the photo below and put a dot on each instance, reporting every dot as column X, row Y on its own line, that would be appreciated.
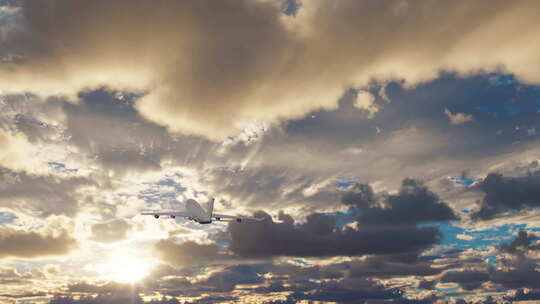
column 210, row 206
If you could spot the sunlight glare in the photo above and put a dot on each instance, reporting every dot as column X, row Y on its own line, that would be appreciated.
column 124, row 268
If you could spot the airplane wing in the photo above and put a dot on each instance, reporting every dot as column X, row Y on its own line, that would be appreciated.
column 220, row 217
column 166, row 212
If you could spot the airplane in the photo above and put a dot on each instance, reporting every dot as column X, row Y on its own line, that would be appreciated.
column 195, row 212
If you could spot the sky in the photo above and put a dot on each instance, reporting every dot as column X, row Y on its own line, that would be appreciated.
column 391, row 148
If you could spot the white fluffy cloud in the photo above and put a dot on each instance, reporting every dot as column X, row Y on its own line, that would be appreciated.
column 16, row 151
column 365, row 100
column 458, row 118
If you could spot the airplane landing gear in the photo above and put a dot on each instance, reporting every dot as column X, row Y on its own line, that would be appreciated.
column 173, row 216
column 156, row 216
column 238, row 220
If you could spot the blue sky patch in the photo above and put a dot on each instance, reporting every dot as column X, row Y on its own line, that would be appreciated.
column 467, row 181
column 7, row 218
column 61, row 167
column 300, row 261
column 453, row 236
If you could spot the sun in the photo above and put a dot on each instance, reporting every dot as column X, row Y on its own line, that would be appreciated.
column 128, row 270
column 124, row 268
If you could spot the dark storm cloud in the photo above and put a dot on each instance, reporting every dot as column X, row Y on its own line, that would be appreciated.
column 508, row 194
column 220, row 280
column 412, row 205
column 206, row 75
column 389, row 228
column 503, row 114
column 285, row 277
column 111, row 231
column 522, row 274
column 185, row 253
column 381, row 266
column 226, row 280
column 30, row 244
column 519, row 270
column 524, row 295
column 268, row 238
column 40, row 195
column 346, row 291
column 360, row 196
column 342, row 291
column 522, row 242
column 468, row 280
column 299, row 273
column 513, row 270
column 428, row 285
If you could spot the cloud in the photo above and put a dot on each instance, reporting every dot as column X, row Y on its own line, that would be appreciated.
column 100, row 299
column 51, row 270
column 390, row 229
column 469, row 280
column 524, row 295
column 366, row 101
column 465, row 237
column 522, row 242
column 16, row 151
column 400, row 209
column 458, row 118
column 98, row 288
column 301, row 273
column 218, row 279
column 515, row 267
column 209, row 76
column 185, row 253
column 10, row 276
column 346, row 291
column 40, row 195
column 268, row 238
column 521, row 275
column 112, row 132
column 508, row 194
column 226, row 280
column 383, row 266
column 138, row 70
column 111, row 231
column 31, row 244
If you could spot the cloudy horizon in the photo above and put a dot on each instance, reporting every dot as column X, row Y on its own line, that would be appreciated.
column 391, row 147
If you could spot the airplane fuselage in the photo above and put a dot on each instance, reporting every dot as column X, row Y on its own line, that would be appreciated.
column 198, row 213
column 195, row 212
